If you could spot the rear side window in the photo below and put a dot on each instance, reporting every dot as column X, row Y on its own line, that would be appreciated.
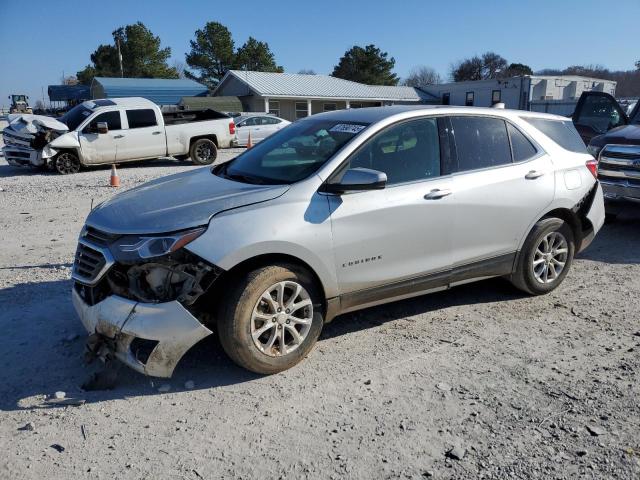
column 481, row 142
column 521, row 147
column 561, row 132
column 141, row 118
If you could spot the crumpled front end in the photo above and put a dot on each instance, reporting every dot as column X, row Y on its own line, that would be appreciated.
column 26, row 136
column 144, row 311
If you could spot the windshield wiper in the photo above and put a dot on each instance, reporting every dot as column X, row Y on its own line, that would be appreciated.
column 239, row 177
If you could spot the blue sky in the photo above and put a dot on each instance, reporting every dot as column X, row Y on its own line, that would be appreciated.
column 42, row 39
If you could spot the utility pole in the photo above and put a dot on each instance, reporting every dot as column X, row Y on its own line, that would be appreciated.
column 120, row 57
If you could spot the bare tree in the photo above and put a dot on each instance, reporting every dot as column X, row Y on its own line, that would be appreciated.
column 69, row 80
column 39, row 105
column 422, row 75
column 180, row 67
column 490, row 65
column 306, row 71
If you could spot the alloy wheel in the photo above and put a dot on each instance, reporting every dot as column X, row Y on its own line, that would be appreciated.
column 550, row 257
column 281, row 318
column 67, row 163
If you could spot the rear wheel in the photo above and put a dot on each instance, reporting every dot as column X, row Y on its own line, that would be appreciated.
column 546, row 257
column 67, row 163
column 272, row 319
column 203, row 151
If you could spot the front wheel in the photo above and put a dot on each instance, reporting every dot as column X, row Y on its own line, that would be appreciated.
column 546, row 257
column 203, row 152
column 272, row 319
column 67, row 163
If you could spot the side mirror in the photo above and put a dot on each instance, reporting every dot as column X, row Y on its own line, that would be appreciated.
column 102, row 127
column 357, row 180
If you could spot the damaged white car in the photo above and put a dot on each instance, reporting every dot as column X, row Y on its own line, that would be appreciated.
column 115, row 130
column 336, row 212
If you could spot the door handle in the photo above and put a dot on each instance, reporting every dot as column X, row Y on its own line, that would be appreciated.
column 156, row 133
column 533, row 174
column 118, row 136
column 437, row 193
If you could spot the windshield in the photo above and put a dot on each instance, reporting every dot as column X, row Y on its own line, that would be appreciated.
column 292, row 154
column 75, row 116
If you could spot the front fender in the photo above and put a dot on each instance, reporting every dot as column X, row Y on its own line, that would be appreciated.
column 68, row 140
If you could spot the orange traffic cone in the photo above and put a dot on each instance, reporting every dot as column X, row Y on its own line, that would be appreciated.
column 249, row 143
column 115, row 179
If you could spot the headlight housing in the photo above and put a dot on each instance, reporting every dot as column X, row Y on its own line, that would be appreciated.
column 141, row 247
column 594, row 150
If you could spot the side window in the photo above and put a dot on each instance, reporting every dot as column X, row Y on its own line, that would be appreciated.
column 141, row 118
column 406, row 152
column 481, row 142
column 111, row 118
column 251, row 122
column 269, row 121
column 521, row 147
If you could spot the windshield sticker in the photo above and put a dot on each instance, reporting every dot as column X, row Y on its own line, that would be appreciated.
column 347, row 128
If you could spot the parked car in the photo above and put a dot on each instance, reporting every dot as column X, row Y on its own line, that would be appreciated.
column 614, row 139
column 260, row 127
column 115, row 130
column 390, row 203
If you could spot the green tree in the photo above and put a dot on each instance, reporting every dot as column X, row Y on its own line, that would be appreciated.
column 257, row 56
column 517, row 70
column 212, row 53
column 367, row 65
column 142, row 56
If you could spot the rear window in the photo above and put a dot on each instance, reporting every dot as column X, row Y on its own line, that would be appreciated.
column 561, row 132
column 141, row 118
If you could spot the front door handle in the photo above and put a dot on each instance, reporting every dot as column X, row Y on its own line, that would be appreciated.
column 437, row 193
column 156, row 133
column 533, row 174
column 118, row 136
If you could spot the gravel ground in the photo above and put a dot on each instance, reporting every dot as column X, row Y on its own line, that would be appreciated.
column 476, row 382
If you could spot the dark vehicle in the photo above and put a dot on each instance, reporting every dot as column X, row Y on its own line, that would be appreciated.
column 613, row 137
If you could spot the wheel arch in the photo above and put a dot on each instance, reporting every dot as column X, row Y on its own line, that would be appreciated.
column 228, row 277
column 211, row 137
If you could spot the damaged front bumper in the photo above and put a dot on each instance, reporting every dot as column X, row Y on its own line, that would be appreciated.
column 148, row 337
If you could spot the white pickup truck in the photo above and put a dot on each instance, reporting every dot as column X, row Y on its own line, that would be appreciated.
column 115, row 130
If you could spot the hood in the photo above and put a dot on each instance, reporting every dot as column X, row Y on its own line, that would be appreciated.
column 176, row 202
column 32, row 124
column 626, row 135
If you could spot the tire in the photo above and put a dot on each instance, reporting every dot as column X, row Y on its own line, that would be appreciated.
column 560, row 239
column 203, row 152
column 246, row 310
column 67, row 163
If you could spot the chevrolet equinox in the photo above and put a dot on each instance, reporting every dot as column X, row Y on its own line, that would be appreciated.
column 336, row 212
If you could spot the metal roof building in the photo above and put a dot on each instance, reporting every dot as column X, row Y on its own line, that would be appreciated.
column 293, row 96
column 68, row 93
column 162, row 91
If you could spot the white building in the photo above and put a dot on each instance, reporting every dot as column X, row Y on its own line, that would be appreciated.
column 553, row 94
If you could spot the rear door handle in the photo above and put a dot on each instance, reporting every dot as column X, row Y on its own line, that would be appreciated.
column 118, row 136
column 533, row 174
column 437, row 193
column 156, row 133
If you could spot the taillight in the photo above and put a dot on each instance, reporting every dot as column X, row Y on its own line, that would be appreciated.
column 592, row 165
column 232, row 128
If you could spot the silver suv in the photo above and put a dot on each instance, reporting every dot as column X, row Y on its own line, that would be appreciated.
column 334, row 213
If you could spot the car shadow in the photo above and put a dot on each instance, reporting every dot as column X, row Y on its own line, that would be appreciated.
column 618, row 240
column 43, row 345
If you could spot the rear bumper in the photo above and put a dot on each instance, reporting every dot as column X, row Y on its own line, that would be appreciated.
column 594, row 216
column 164, row 331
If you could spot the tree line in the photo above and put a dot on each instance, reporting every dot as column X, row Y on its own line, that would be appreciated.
column 213, row 52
